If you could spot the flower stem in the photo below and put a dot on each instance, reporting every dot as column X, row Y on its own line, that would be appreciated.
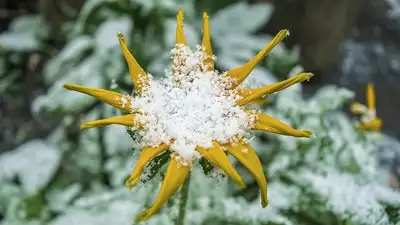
column 183, row 201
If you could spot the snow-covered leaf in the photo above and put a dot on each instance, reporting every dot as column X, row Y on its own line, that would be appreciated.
column 23, row 34
column 241, row 17
column 59, row 199
column 34, row 162
column 106, row 34
column 353, row 200
column 119, row 212
column 117, row 140
column 69, row 56
column 87, row 74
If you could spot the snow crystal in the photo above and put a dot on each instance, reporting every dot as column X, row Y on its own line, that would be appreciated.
column 191, row 106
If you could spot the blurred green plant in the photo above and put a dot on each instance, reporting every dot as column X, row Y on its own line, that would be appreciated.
column 74, row 177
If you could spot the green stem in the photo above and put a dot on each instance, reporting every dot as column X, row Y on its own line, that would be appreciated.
column 183, row 201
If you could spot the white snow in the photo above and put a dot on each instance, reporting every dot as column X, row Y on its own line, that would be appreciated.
column 34, row 162
column 350, row 197
column 191, row 106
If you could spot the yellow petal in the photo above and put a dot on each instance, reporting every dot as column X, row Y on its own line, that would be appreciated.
column 371, row 96
column 245, row 154
column 139, row 77
column 147, row 154
column 127, row 120
column 206, row 42
column 240, row 73
column 258, row 102
column 115, row 99
column 174, row 178
column 270, row 124
column 372, row 125
column 358, row 108
column 249, row 95
column 180, row 35
column 218, row 157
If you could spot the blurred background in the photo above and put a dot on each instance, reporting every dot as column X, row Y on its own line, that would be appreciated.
column 347, row 43
column 46, row 43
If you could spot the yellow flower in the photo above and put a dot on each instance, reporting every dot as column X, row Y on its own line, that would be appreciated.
column 369, row 120
column 194, row 112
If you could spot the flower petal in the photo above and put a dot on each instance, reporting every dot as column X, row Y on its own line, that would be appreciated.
column 249, row 95
column 218, row 157
column 147, row 154
column 259, row 102
column 240, row 73
column 270, row 124
column 174, row 178
column 206, row 43
column 358, row 108
column 245, row 154
column 139, row 77
column 180, row 35
column 127, row 120
column 372, row 125
column 115, row 99
column 371, row 97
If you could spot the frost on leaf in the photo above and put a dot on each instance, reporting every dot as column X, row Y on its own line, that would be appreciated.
column 23, row 34
column 117, row 212
column 351, row 198
column 34, row 163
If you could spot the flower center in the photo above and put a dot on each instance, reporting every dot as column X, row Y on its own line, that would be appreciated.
column 191, row 106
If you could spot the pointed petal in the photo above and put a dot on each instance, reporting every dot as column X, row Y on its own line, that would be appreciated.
column 218, row 157
column 174, row 178
column 240, row 73
column 249, row 95
column 358, row 108
column 245, row 154
column 127, row 120
column 270, row 124
column 372, row 125
column 147, row 154
column 206, row 43
column 115, row 99
column 139, row 77
column 180, row 35
column 371, row 97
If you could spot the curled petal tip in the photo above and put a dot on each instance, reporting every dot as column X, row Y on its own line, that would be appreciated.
column 307, row 133
column 242, row 184
column 120, row 35
column 285, row 32
column 239, row 181
column 68, row 86
column 180, row 14
column 84, row 126
column 205, row 15
column 264, row 204
column 144, row 216
column 309, row 75
column 131, row 182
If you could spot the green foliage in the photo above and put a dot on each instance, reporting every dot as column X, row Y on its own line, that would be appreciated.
column 76, row 177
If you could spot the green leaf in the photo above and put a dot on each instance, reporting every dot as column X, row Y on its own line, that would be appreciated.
column 34, row 163
column 155, row 165
column 207, row 166
column 33, row 206
column 241, row 17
